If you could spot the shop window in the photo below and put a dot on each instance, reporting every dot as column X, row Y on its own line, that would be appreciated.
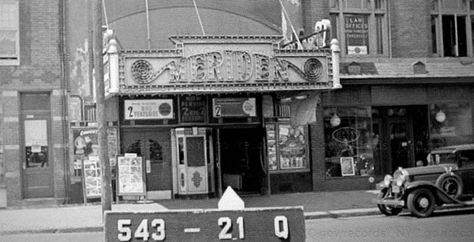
column 451, row 21
column 9, row 33
column 349, row 141
column 360, row 25
column 450, row 124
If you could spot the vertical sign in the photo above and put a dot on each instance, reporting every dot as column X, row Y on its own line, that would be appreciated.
column 357, row 34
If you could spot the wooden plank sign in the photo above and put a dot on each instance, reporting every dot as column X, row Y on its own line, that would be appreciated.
column 256, row 224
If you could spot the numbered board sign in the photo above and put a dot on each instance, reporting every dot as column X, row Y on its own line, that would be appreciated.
column 142, row 109
column 262, row 224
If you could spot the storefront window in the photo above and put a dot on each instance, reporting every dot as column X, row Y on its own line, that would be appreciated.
column 287, row 148
column 349, row 141
column 450, row 124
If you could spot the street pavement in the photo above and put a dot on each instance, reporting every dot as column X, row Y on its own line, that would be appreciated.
column 88, row 218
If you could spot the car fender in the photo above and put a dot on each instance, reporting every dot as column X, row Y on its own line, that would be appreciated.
column 440, row 195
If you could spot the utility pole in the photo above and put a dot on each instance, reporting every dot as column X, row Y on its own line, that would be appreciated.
column 106, row 197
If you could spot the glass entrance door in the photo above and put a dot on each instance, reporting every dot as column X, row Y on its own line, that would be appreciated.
column 37, row 162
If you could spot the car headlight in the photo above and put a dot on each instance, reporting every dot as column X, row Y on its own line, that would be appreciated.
column 387, row 179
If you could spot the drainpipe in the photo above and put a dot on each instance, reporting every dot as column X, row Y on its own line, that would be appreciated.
column 64, row 94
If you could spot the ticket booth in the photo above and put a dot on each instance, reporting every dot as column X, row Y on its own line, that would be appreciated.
column 193, row 168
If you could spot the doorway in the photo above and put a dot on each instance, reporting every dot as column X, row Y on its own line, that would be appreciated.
column 37, row 164
column 241, row 159
column 404, row 135
column 154, row 148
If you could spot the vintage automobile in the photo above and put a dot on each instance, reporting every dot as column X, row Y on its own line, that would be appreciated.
column 447, row 181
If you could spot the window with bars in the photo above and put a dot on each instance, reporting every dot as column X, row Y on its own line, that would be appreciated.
column 360, row 25
column 9, row 32
column 452, row 25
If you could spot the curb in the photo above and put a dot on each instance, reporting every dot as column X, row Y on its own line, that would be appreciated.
column 307, row 216
column 341, row 213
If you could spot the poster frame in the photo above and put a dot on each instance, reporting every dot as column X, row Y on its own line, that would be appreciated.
column 347, row 166
column 84, row 187
column 119, row 193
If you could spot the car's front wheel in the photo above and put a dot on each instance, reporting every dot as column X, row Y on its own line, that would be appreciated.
column 387, row 209
column 421, row 202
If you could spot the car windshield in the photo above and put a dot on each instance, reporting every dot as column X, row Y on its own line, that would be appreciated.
column 443, row 158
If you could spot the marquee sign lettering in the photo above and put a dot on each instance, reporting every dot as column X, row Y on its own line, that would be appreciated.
column 225, row 67
column 221, row 64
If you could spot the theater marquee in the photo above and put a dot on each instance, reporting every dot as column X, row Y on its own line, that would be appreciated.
column 211, row 64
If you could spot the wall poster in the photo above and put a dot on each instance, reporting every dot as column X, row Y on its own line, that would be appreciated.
column 130, row 176
column 287, row 147
column 86, row 145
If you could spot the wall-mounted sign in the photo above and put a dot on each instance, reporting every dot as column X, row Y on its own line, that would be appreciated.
column 141, row 109
column 234, row 107
column 357, row 34
column 192, row 108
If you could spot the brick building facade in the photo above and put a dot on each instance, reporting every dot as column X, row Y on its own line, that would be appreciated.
column 32, row 116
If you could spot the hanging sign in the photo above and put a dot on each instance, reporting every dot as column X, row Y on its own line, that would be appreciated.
column 139, row 109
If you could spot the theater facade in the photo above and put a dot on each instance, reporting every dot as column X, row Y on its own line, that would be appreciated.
column 217, row 111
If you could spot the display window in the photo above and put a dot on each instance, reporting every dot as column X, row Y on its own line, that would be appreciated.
column 287, row 147
column 450, row 124
column 349, row 141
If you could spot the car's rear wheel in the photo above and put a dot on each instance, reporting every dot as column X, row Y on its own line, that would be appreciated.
column 421, row 202
column 387, row 209
column 451, row 184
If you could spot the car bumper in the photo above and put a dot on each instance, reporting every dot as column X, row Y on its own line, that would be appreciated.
column 390, row 202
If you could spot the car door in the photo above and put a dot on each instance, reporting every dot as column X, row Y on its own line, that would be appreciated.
column 466, row 170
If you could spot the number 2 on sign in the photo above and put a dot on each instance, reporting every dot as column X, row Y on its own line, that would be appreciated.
column 226, row 224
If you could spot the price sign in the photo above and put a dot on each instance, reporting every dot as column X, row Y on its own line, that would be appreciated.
column 257, row 224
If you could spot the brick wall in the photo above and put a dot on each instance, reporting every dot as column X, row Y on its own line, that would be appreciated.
column 314, row 11
column 39, row 71
column 410, row 28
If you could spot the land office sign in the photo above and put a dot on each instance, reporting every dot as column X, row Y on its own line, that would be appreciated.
column 207, row 64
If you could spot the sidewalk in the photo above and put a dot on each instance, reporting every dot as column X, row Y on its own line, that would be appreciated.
column 83, row 218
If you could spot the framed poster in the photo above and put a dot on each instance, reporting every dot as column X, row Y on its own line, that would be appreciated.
column 347, row 166
column 130, row 176
column 292, row 147
column 92, row 181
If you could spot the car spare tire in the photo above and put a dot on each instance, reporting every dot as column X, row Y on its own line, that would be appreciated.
column 451, row 184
